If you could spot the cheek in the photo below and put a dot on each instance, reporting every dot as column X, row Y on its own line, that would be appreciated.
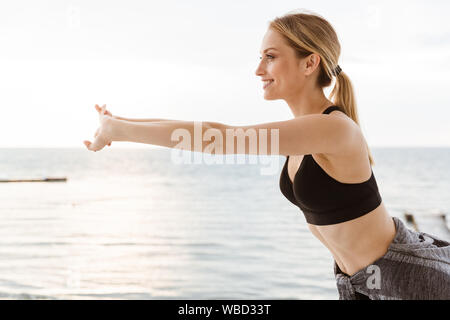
column 276, row 70
column 291, row 79
column 279, row 71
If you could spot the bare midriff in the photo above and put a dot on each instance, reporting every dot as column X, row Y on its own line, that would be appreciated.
column 357, row 243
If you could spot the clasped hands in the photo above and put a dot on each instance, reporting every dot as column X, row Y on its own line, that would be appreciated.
column 102, row 136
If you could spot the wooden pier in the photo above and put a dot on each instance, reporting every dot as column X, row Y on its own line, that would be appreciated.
column 437, row 224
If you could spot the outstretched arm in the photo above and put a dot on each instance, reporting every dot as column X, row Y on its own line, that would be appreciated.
column 309, row 134
column 167, row 133
column 172, row 134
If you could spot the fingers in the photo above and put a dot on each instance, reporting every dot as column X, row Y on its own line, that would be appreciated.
column 91, row 146
column 88, row 145
column 100, row 109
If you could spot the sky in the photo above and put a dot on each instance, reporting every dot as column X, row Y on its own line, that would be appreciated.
column 196, row 60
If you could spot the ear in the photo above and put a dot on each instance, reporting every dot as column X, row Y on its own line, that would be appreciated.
column 311, row 63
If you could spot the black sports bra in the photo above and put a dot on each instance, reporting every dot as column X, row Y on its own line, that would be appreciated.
column 323, row 199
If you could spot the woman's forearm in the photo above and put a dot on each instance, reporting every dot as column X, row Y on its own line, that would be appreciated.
column 141, row 120
column 164, row 133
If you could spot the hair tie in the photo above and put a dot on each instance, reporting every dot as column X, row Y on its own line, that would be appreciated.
column 337, row 70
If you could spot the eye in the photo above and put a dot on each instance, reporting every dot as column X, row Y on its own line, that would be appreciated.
column 268, row 56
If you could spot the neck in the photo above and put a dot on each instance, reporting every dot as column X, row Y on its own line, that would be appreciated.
column 308, row 102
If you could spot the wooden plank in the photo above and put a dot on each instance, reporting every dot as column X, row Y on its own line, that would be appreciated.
column 64, row 179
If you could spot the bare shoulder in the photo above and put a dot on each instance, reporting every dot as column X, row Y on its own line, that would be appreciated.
column 355, row 157
column 342, row 115
column 359, row 142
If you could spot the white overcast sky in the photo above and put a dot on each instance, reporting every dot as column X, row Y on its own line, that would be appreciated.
column 196, row 60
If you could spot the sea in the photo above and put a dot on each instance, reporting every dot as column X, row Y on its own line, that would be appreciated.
column 141, row 224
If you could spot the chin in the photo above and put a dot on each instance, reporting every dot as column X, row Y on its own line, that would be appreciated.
column 270, row 97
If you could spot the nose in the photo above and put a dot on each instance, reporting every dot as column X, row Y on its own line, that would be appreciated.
column 259, row 70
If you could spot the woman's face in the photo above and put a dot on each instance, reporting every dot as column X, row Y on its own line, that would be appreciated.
column 280, row 66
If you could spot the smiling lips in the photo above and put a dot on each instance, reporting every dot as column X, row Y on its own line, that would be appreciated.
column 267, row 83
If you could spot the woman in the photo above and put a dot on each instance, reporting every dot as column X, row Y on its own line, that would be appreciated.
column 327, row 172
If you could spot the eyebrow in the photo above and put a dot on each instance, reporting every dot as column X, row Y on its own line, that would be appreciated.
column 269, row 49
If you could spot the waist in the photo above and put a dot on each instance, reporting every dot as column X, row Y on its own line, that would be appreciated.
column 357, row 243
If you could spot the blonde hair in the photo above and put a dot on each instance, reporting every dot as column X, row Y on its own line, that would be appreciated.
column 309, row 33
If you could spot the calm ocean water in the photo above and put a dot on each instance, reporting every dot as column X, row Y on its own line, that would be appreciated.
column 132, row 224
